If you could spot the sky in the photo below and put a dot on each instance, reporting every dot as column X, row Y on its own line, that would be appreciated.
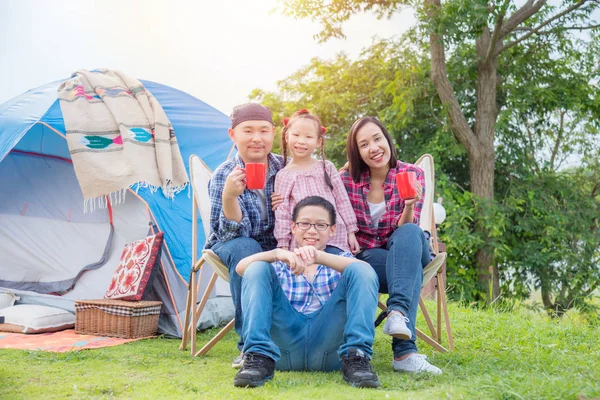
column 218, row 51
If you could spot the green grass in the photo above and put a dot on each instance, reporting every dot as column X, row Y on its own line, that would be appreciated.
column 499, row 355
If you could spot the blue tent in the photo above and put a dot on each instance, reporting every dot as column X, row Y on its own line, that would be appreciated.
column 32, row 140
column 200, row 128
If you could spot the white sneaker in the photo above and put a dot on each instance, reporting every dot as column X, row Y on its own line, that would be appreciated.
column 395, row 325
column 416, row 363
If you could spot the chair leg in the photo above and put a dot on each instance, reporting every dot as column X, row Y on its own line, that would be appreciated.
column 198, row 311
column 191, row 328
column 439, row 284
column 186, row 332
column 447, row 320
column 430, row 341
column 216, row 339
column 427, row 317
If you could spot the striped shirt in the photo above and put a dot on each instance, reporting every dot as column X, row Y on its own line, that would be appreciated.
column 299, row 291
column 252, row 224
column 294, row 186
column 368, row 235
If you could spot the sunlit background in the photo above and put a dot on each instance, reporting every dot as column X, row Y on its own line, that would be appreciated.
column 217, row 51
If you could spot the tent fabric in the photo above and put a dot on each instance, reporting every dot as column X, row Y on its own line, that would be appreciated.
column 26, row 124
column 40, row 194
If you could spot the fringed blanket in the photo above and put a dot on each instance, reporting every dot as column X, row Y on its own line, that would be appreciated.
column 118, row 136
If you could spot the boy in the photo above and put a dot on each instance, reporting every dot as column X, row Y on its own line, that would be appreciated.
column 241, row 220
column 308, row 308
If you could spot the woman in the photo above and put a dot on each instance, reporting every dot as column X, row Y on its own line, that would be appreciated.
column 388, row 233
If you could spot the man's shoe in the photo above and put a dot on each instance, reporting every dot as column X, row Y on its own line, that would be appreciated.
column 357, row 370
column 238, row 362
column 395, row 326
column 416, row 363
column 257, row 369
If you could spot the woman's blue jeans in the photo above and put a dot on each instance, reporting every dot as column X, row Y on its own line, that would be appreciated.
column 313, row 342
column 399, row 267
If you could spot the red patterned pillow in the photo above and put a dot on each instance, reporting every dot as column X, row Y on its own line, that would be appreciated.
column 133, row 273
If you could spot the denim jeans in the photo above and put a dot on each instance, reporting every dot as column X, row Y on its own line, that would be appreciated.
column 313, row 342
column 231, row 253
column 399, row 267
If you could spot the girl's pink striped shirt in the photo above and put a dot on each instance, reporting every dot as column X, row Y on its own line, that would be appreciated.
column 294, row 186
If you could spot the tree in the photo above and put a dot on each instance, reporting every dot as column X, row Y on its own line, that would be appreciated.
column 495, row 28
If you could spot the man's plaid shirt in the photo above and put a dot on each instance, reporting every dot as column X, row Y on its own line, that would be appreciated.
column 252, row 224
column 299, row 290
column 374, row 237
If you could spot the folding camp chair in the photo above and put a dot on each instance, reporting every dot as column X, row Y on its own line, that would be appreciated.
column 200, row 175
column 434, row 269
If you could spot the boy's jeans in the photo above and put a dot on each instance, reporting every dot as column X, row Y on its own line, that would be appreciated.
column 231, row 253
column 313, row 342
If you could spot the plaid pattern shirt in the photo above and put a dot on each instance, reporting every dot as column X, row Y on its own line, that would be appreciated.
column 368, row 236
column 299, row 291
column 252, row 224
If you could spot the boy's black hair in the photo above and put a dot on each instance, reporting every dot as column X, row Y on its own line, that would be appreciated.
column 317, row 201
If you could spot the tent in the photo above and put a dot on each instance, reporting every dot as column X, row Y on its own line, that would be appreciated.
column 45, row 237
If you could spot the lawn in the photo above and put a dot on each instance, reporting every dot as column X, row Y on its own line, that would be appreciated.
column 499, row 355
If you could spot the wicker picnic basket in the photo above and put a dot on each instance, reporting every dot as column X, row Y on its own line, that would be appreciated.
column 117, row 318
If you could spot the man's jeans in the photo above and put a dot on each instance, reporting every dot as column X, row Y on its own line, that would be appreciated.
column 313, row 342
column 231, row 253
column 399, row 267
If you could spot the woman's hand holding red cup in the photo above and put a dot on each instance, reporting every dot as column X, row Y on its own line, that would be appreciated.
column 409, row 189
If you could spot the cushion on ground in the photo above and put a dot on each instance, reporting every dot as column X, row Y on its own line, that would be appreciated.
column 135, row 269
column 7, row 300
column 29, row 318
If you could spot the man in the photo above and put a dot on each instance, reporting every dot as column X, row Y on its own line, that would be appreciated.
column 242, row 220
column 308, row 308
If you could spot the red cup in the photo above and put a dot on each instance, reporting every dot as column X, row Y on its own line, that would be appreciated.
column 256, row 174
column 407, row 184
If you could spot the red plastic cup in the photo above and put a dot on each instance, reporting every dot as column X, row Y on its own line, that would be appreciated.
column 407, row 185
column 256, row 174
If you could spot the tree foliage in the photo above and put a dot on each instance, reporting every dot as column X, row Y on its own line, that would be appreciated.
column 541, row 225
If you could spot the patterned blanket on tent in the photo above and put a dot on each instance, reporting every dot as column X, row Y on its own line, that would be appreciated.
column 118, row 135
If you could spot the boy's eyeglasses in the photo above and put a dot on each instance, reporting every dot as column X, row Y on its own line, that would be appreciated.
column 306, row 226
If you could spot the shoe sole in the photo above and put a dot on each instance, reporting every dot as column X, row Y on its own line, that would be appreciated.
column 247, row 383
column 399, row 335
column 416, row 372
column 363, row 384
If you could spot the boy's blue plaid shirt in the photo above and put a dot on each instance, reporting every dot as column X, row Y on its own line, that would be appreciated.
column 251, row 225
column 299, row 290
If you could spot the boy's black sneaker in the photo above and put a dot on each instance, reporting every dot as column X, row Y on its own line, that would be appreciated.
column 256, row 370
column 357, row 370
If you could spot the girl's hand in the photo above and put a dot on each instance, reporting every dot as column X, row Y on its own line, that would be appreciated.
column 353, row 244
column 307, row 253
column 295, row 262
column 276, row 200
column 411, row 202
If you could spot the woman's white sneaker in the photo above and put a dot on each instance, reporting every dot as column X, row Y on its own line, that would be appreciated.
column 416, row 363
column 395, row 325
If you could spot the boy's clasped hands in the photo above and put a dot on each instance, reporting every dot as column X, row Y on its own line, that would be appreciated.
column 299, row 259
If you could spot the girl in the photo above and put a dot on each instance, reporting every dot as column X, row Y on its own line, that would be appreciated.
column 305, row 176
